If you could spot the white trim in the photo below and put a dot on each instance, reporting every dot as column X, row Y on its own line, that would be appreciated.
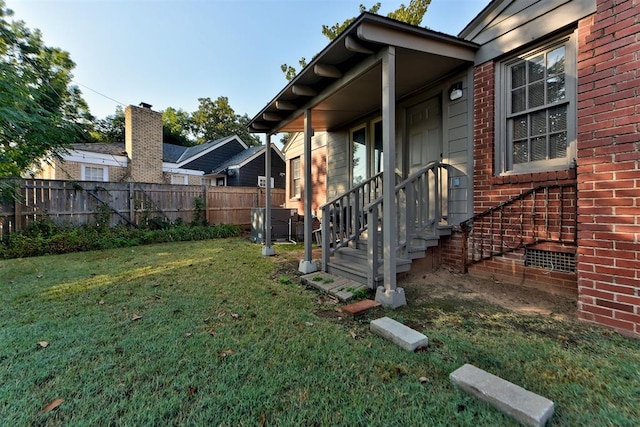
column 212, row 148
column 89, row 157
column 173, row 168
column 257, row 154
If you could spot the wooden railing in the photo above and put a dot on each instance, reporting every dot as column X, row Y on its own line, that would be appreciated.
column 545, row 213
column 419, row 203
column 344, row 217
column 419, row 209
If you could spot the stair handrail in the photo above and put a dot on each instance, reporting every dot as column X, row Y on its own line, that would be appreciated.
column 343, row 219
column 413, row 220
column 467, row 225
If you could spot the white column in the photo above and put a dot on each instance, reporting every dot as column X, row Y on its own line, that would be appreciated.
column 389, row 295
column 267, row 249
column 307, row 265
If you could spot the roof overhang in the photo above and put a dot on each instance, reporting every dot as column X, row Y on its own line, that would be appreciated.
column 344, row 82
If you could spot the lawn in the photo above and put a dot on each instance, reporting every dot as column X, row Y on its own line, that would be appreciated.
column 212, row 333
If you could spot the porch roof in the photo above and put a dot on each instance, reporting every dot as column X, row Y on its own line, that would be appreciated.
column 344, row 82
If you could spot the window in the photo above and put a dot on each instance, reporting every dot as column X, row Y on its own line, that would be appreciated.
column 538, row 97
column 95, row 173
column 296, row 178
column 179, row 179
column 262, row 182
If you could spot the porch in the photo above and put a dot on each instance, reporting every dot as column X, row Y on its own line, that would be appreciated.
column 395, row 100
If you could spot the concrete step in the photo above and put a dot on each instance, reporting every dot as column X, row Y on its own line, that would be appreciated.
column 337, row 286
column 527, row 407
column 398, row 333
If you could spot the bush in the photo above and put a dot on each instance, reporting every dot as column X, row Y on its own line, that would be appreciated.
column 44, row 237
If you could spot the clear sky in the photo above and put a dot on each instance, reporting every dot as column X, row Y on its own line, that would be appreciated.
column 169, row 53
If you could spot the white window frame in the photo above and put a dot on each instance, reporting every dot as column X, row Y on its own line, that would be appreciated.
column 262, row 182
column 86, row 176
column 504, row 147
column 179, row 179
column 296, row 177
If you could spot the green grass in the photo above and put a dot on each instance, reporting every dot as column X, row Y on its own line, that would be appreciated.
column 228, row 337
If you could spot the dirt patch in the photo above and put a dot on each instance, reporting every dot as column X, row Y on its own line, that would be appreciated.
column 447, row 286
column 445, row 289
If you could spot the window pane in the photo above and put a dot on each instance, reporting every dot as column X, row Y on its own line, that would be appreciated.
column 539, row 123
column 518, row 75
column 556, row 88
column 518, row 100
column 555, row 61
column 536, row 94
column 536, row 68
column 520, row 128
column 520, row 152
column 538, row 148
column 558, row 145
column 558, row 119
column 359, row 159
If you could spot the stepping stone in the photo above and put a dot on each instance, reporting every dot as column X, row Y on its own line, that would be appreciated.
column 527, row 407
column 398, row 333
column 359, row 307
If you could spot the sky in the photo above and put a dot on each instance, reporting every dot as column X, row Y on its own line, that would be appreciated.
column 169, row 53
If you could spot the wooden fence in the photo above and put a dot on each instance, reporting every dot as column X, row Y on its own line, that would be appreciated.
column 72, row 202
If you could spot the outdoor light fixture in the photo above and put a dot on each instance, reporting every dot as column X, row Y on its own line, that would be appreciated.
column 455, row 91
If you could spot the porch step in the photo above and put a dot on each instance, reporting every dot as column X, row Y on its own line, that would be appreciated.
column 353, row 264
column 337, row 286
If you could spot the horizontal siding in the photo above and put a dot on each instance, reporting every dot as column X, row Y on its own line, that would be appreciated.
column 337, row 164
column 525, row 21
column 457, row 151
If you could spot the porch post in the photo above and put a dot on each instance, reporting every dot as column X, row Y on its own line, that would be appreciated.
column 267, row 249
column 389, row 295
column 307, row 265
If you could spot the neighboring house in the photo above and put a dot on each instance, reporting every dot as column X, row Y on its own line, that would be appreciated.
column 293, row 152
column 143, row 157
column 246, row 169
column 509, row 151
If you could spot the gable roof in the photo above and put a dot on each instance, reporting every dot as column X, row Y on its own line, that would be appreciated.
column 180, row 154
column 244, row 157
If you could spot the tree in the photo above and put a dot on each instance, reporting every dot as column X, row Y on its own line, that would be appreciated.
column 40, row 111
column 176, row 127
column 411, row 14
column 111, row 128
column 216, row 119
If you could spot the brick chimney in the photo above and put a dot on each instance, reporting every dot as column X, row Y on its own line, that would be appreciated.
column 143, row 143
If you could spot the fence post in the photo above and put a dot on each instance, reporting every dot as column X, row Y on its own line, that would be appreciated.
column 132, row 208
column 17, row 212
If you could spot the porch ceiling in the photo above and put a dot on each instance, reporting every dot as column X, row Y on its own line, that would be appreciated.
column 352, row 86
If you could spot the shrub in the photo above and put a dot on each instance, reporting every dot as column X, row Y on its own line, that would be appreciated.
column 45, row 237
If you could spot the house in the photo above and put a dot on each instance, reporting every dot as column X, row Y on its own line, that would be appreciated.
column 143, row 157
column 509, row 151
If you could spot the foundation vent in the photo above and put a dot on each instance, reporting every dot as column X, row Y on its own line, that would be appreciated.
column 550, row 260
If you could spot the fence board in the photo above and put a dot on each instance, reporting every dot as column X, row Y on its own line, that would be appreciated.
column 76, row 203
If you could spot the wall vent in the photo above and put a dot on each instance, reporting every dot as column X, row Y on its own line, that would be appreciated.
column 550, row 260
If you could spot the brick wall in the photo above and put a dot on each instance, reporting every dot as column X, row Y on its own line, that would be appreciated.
column 608, row 158
column 558, row 210
column 143, row 144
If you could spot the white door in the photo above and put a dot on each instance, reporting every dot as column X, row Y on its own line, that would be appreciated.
column 424, row 123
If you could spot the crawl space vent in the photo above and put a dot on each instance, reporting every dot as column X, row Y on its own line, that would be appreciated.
column 550, row 260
